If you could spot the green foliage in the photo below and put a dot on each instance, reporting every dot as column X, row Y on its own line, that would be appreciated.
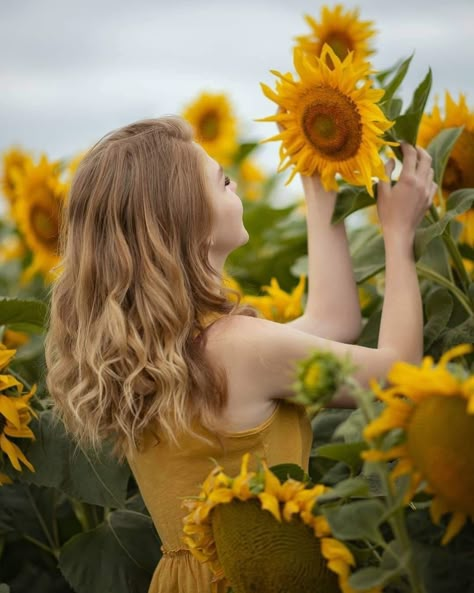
column 80, row 474
column 126, row 537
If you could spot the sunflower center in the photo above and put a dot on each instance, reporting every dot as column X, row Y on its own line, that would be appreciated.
column 45, row 226
column 209, row 126
column 258, row 553
column 332, row 124
column 340, row 43
column 440, row 440
column 459, row 172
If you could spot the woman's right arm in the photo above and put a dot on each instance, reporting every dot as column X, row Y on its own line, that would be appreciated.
column 259, row 356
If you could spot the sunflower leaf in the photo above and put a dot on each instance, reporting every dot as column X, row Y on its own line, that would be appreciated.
column 102, row 481
column 23, row 311
column 440, row 148
column 350, row 199
column 438, row 308
column 349, row 453
column 368, row 253
column 357, row 520
column 126, row 543
column 458, row 202
column 366, row 578
column 283, row 471
column 351, row 487
column 406, row 125
column 4, row 588
column 396, row 81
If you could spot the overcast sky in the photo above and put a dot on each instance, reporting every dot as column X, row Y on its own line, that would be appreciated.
column 70, row 71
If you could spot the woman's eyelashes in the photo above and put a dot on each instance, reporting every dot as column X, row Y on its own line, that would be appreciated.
column 226, row 180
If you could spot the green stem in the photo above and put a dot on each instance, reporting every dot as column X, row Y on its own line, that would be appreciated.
column 42, row 522
column 81, row 514
column 397, row 518
column 442, row 281
column 39, row 544
column 453, row 252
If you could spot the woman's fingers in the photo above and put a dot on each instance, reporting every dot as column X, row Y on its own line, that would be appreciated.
column 410, row 157
column 384, row 186
column 424, row 164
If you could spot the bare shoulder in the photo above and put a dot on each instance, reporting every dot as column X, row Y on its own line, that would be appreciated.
column 260, row 356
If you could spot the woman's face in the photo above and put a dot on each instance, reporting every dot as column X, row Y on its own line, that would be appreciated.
column 228, row 230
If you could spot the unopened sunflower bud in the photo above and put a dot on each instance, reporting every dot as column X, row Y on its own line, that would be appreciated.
column 319, row 377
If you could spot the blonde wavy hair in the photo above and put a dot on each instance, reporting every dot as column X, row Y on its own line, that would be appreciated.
column 134, row 289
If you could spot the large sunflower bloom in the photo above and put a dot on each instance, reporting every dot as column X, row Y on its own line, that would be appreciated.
column 435, row 410
column 331, row 123
column 287, row 547
column 15, row 415
column 214, row 124
column 15, row 161
column 459, row 172
column 342, row 30
column 40, row 198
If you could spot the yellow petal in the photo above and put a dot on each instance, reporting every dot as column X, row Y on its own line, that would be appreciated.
column 454, row 527
column 270, row 503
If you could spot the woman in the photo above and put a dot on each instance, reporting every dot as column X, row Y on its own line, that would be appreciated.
column 145, row 348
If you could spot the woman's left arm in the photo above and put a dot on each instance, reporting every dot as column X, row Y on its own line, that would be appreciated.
column 332, row 309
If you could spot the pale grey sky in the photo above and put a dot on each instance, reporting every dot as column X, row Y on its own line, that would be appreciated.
column 72, row 71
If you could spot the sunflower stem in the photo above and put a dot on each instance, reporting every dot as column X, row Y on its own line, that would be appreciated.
column 44, row 547
column 453, row 252
column 42, row 522
column 397, row 516
column 442, row 281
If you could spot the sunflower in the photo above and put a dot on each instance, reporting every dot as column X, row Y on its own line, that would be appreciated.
column 14, row 339
column 288, row 546
column 15, row 414
column 434, row 407
column 15, row 161
column 214, row 125
column 331, row 124
column 343, row 31
column 278, row 305
column 459, row 172
column 40, row 197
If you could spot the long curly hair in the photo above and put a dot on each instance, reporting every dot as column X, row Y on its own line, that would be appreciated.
column 133, row 290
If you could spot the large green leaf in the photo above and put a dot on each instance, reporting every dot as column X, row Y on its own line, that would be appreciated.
column 368, row 254
column 396, row 81
column 458, row 202
column 349, row 453
column 350, row 199
column 102, row 481
column 440, row 148
column 438, row 309
column 357, row 520
column 406, row 125
column 372, row 576
column 119, row 556
column 23, row 311
column 284, row 471
column 357, row 486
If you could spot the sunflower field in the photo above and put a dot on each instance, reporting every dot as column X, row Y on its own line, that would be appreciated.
column 388, row 502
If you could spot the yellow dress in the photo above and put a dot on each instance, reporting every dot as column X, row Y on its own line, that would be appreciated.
column 166, row 474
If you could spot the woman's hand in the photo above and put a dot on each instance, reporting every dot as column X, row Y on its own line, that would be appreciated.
column 402, row 207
